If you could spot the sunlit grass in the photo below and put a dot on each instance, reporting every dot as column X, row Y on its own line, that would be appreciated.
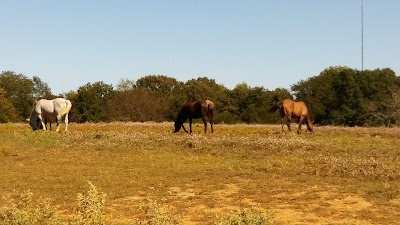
column 200, row 175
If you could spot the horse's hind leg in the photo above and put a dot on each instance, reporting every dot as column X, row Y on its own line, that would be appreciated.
column 205, row 123
column 211, row 124
column 58, row 122
column 66, row 122
column 184, row 128
column 190, row 125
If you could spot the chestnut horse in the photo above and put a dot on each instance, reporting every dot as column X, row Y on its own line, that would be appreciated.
column 195, row 110
column 292, row 109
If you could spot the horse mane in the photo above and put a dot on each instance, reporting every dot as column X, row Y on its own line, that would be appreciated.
column 33, row 114
column 308, row 116
column 275, row 107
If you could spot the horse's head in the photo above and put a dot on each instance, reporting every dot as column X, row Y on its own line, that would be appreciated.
column 310, row 126
column 35, row 123
column 177, row 125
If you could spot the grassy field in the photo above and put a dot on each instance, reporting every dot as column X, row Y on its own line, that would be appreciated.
column 336, row 176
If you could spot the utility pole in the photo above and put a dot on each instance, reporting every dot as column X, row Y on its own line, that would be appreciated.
column 362, row 35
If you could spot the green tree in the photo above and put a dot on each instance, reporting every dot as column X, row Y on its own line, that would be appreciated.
column 281, row 93
column 344, row 96
column 386, row 112
column 137, row 106
column 18, row 90
column 159, row 84
column 349, row 109
column 168, row 89
column 73, row 115
column 90, row 101
column 204, row 88
column 239, row 95
column 41, row 89
column 319, row 95
column 7, row 110
column 251, row 104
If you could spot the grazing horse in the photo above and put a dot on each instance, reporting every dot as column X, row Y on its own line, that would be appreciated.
column 195, row 110
column 292, row 109
column 47, row 110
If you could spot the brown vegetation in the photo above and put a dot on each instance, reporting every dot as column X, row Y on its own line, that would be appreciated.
column 338, row 175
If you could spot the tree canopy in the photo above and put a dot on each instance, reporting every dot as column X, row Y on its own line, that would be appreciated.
column 337, row 96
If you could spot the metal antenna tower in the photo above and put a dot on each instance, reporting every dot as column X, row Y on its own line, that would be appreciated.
column 362, row 35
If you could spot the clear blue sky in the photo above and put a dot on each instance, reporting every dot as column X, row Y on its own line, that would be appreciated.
column 269, row 43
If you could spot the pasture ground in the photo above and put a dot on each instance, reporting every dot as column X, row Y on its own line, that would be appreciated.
column 336, row 176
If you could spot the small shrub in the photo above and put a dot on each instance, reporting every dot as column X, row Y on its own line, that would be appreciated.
column 157, row 215
column 91, row 207
column 245, row 216
column 25, row 210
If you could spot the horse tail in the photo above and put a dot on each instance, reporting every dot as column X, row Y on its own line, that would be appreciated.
column 67, row 108
column 210, row 105
column 275, row 107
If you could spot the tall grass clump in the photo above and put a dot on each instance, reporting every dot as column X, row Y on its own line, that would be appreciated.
column 245, row 216
column 91, row 207
column 25, row 210
column 156, row 214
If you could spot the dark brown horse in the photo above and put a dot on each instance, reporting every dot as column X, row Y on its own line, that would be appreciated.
column 195, row 110
column 292, row 109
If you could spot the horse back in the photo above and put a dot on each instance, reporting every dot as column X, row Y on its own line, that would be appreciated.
column 44, row 106
column 53, row 107
column 196, row 110
column 295, row 109
column 301, row 109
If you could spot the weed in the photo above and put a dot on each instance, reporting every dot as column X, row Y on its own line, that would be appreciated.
column 245, row 216
column 156, row 214
column 91, row 206
column 269, row 169
column 25, row 210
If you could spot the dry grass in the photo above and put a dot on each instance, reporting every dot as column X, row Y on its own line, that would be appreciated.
column 336, row 176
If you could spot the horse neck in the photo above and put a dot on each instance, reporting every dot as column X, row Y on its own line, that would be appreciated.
column 34, row 114
column 308, row 120
column 33, row 119
column 181, row 116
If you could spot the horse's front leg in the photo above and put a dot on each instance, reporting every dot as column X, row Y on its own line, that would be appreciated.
column 190, row 125
column 282, row 123
column 41, row 120
column 184, row 127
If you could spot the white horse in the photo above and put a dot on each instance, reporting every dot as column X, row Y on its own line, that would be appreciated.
column 56, row 108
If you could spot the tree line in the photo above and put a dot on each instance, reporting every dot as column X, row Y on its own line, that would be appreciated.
column 337, row 96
